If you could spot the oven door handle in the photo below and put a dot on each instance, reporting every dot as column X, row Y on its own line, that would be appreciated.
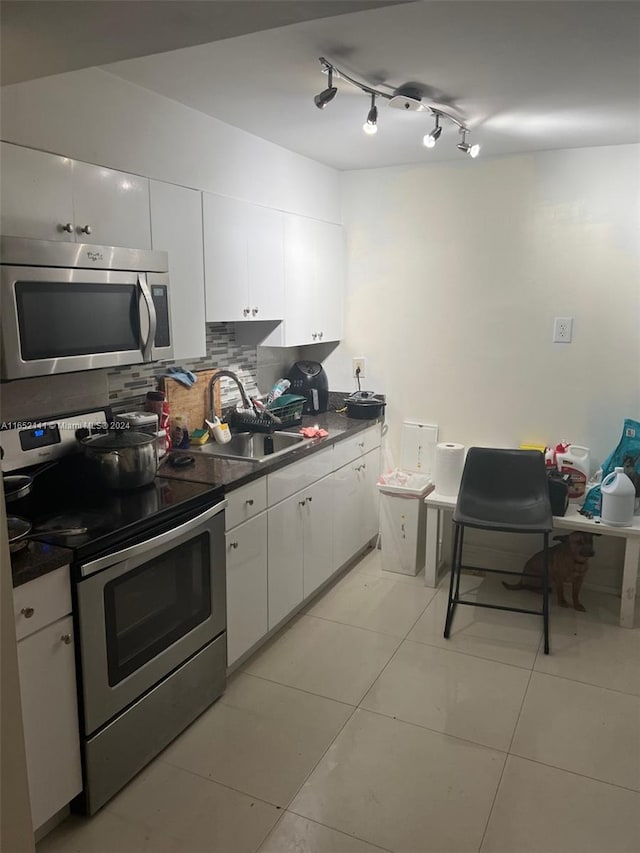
column 150, row 544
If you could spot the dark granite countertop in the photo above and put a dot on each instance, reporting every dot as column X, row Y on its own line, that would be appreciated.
column 38, row 558
column 232, row 473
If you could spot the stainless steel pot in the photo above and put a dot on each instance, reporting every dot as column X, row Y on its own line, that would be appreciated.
column 122, row 459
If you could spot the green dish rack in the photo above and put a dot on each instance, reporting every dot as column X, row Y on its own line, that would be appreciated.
column 287, row 407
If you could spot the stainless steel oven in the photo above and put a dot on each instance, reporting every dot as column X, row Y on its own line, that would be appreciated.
column 151, row 620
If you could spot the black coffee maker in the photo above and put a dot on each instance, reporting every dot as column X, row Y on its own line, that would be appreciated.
column 308, row 379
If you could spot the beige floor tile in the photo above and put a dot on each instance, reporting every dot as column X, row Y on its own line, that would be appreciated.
column 452, row 693
column 260, row 738
column 593, row 648
column 374, row 603
column 543, row 810
column 295, row 834
column 371, row 564
column 333, row 660
column 106, row 833
column 498, row 635
column 581, row 728
column 403, row 787
column 208, row 816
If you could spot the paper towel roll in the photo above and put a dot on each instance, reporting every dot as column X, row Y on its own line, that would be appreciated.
column 448, row 468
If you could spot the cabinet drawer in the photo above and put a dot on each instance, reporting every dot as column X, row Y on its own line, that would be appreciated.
column 41, row 601
column 290, row 479
column 245, row 502
column 356, row 446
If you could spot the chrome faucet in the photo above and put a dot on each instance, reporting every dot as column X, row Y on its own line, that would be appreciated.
column 243, row 394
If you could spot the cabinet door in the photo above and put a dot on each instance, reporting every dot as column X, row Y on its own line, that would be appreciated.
column 346, row 513
column 114, row 206
column 370, row 496
column 299, row 280
column 247, row 618
column 265, row 261
column 176, row 228
column 225, row 259
column 329, row 289
column 318, row 535
column 49, row 711
column 36, row 199
column 285, row 539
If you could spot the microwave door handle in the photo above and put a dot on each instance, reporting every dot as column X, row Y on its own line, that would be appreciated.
column 147, row 348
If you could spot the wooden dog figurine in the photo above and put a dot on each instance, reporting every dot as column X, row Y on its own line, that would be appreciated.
column 567, row 564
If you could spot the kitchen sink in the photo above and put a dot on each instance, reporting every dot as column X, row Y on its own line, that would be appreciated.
column 254, row 446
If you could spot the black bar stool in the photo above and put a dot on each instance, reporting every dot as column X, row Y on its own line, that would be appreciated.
column 505, row 491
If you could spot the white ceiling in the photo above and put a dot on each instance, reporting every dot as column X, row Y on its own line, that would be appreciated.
column 524, row 75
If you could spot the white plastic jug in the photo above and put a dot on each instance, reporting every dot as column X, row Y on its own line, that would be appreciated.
column 575, row 461
column 618, row 499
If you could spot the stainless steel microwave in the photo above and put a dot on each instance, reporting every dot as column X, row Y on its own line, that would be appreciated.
column 73, row 306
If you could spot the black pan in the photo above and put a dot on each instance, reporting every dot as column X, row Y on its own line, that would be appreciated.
column 17, row 486
column 21, row 531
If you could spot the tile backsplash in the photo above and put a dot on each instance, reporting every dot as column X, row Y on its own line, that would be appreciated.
column 124, row 388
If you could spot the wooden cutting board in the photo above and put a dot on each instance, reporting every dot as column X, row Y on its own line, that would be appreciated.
column 192, row 402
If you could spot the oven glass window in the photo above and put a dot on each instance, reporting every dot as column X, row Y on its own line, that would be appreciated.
column 149, row 608
column 58, row 319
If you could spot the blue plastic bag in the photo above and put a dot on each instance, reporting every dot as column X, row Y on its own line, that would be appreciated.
column 627, row 456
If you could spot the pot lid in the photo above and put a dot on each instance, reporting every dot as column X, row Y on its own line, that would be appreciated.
column 365, row 398
column 117, row 440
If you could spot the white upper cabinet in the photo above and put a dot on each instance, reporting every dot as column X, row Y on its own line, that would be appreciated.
column 47, row 197
column 36, row 194
column 110, row 208
column 176, row 228
column 314, row 283
column 244, row 260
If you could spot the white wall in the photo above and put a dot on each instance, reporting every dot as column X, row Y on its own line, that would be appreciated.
column 94, row 116
column 455, row 272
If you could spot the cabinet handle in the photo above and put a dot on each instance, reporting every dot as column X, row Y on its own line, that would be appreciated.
column 361, row 444
column 249, row 502
column 314, row 335
column 233, row 545
column 27, row 612
column 254, row 311
column 85, row 229
column 66, row 639
column 364, row 466
column 246, row 312
column 68, row 227
column 301, row 503
column 320, row 334
column 309, row 500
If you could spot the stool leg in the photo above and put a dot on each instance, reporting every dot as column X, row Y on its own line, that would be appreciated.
column 459, row 562
column 545, row 593
column 454, row 565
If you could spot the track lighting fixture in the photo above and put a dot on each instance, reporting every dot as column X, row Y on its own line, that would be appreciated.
column 408, row 98
column 431, row 138
column 471, row 150
column 327, row 94
column 371, row 124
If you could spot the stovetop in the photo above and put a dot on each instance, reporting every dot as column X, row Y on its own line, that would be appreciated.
column 67, row 496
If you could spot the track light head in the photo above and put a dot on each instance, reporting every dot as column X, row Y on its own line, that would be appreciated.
column 327, row 94
column 431, row 138
column 371, row 124
column 471, row 150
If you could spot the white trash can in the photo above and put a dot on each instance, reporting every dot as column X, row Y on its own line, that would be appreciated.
column 403, row 520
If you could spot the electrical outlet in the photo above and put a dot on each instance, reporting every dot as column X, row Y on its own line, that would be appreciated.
column 359, row 363
column 562, row 330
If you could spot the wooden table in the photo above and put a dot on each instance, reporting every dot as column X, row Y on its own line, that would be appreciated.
column 436, row 504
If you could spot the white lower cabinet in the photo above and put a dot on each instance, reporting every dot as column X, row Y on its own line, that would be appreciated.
column 247, row 622
column 300, row 548
column 355, row 505
column 47, row 670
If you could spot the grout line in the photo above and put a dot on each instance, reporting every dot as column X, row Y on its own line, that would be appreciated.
column 340, row 832
column 300, row 690
column 574, row 773
column 471, row 654
column 350, row 625
column 586, row 683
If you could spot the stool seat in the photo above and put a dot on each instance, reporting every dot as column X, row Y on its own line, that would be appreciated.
column 503, row 491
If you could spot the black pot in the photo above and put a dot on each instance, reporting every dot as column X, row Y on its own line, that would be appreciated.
column 365, row 405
